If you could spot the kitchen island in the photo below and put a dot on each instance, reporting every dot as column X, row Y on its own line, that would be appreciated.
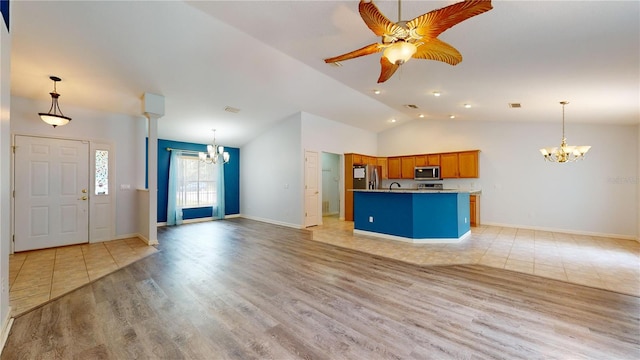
column 412, row 215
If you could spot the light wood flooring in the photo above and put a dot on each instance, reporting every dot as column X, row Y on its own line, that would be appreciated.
column 38, row 276
column 241, row 289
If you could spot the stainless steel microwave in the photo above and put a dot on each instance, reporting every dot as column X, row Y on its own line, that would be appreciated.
column 422, row 173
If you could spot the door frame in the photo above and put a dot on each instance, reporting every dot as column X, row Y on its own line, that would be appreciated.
column 92, row 147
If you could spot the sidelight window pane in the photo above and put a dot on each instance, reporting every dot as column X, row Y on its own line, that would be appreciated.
column 102, row 172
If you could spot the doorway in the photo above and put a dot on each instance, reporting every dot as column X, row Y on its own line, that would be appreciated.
column 330, row 184
column 58, row 184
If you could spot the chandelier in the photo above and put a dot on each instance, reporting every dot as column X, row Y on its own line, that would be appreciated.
column 54, row 118
column 564, row 153
column 215, row 154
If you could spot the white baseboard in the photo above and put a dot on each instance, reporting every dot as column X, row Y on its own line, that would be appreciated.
column 6, row 328
column 566, row 231
column 270, row 221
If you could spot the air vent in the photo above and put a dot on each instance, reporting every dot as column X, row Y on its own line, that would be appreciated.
column 411, row 106
column 231, row 109
column 515, row 105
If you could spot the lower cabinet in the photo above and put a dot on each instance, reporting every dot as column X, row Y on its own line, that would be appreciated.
column 474, row 210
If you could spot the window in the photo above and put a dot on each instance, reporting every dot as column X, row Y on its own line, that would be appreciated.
column 196, row 184
column 102, row 172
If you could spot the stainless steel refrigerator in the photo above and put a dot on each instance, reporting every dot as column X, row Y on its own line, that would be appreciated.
column 366, row 177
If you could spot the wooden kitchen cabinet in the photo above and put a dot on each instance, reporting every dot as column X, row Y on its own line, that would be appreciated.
column 421, row 160
column 394, row 168
column 408, row 164
column 382, row 162
column 462, row 164
column 433, row 159
column 449, row 165
column 474, row 210
column 355, row 159
column 468, row 164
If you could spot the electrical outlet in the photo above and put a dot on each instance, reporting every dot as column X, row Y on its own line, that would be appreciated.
column 370, row 219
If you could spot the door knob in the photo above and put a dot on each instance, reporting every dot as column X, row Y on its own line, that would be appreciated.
column 83, row 198
column 84, row 191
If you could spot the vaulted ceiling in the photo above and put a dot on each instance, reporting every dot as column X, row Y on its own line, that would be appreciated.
column 265, row 58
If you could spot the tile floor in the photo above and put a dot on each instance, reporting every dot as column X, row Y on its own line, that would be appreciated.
column 38, row 276
column 606, row 263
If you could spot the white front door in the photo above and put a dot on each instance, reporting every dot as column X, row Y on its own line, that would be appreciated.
column 311, row 188
column 51, row 192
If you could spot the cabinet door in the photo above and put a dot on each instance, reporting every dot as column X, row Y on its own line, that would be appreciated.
column 394, row 167
column 433, row 159
column 421, row 160
column 357, row 159
column 408, row 164
column 382, row 162
column 468, row 164
column 472, row 210
column 371, row 160
column 449, row 165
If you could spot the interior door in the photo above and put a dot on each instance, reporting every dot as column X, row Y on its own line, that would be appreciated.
column 311, row 192
column 51, row 192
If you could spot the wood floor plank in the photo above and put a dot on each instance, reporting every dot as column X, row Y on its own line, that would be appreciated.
column 242, row 289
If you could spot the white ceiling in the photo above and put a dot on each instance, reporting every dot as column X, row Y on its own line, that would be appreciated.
column 266, row 58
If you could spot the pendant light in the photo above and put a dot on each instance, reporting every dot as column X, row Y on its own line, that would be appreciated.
column 53, row 118
column 564, row 153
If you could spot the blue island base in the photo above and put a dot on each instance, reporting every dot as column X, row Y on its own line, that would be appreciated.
column 412, row 216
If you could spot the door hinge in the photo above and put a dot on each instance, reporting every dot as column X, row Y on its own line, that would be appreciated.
column 13, row 148
column 14, row 194
column 13, row 238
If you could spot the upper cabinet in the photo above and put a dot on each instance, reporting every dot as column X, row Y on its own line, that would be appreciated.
column 407, row 164
column 394, row 168
column 382, row 162
column 462, row 164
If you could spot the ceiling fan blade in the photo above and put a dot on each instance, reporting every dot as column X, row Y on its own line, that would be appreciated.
column 436, row 49
column 377, row 22
column 433, row 23
column 387, row 69
column 367, row 50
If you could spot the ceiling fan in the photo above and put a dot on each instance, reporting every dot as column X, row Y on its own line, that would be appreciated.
column 417, row 38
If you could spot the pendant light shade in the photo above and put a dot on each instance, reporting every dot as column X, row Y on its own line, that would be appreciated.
column 54, row 117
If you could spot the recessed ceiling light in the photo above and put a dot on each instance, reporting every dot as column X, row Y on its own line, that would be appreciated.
column 392, row 120
column 335, row 64
column 452, row 116
column 467, row 106
column 420, row 115
column 376, row 91
column 436, row 93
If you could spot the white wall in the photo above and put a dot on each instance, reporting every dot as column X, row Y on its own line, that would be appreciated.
column 271, row 175
column 5, row 179
column 123, row 131
column 320, row 134
column 638, row 182
column 595, row 196
column 272, row 165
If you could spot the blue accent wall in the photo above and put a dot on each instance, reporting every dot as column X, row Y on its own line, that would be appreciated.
column 4, row 9
column 231, row 180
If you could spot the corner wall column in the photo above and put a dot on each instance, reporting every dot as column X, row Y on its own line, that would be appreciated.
column 153, row 108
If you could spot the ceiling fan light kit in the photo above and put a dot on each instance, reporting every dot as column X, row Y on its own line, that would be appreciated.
column 417, row 38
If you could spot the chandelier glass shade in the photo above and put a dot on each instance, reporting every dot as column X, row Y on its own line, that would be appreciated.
column 399, row 52
column 564, row 153
column 215, row 154
column 54, row 117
